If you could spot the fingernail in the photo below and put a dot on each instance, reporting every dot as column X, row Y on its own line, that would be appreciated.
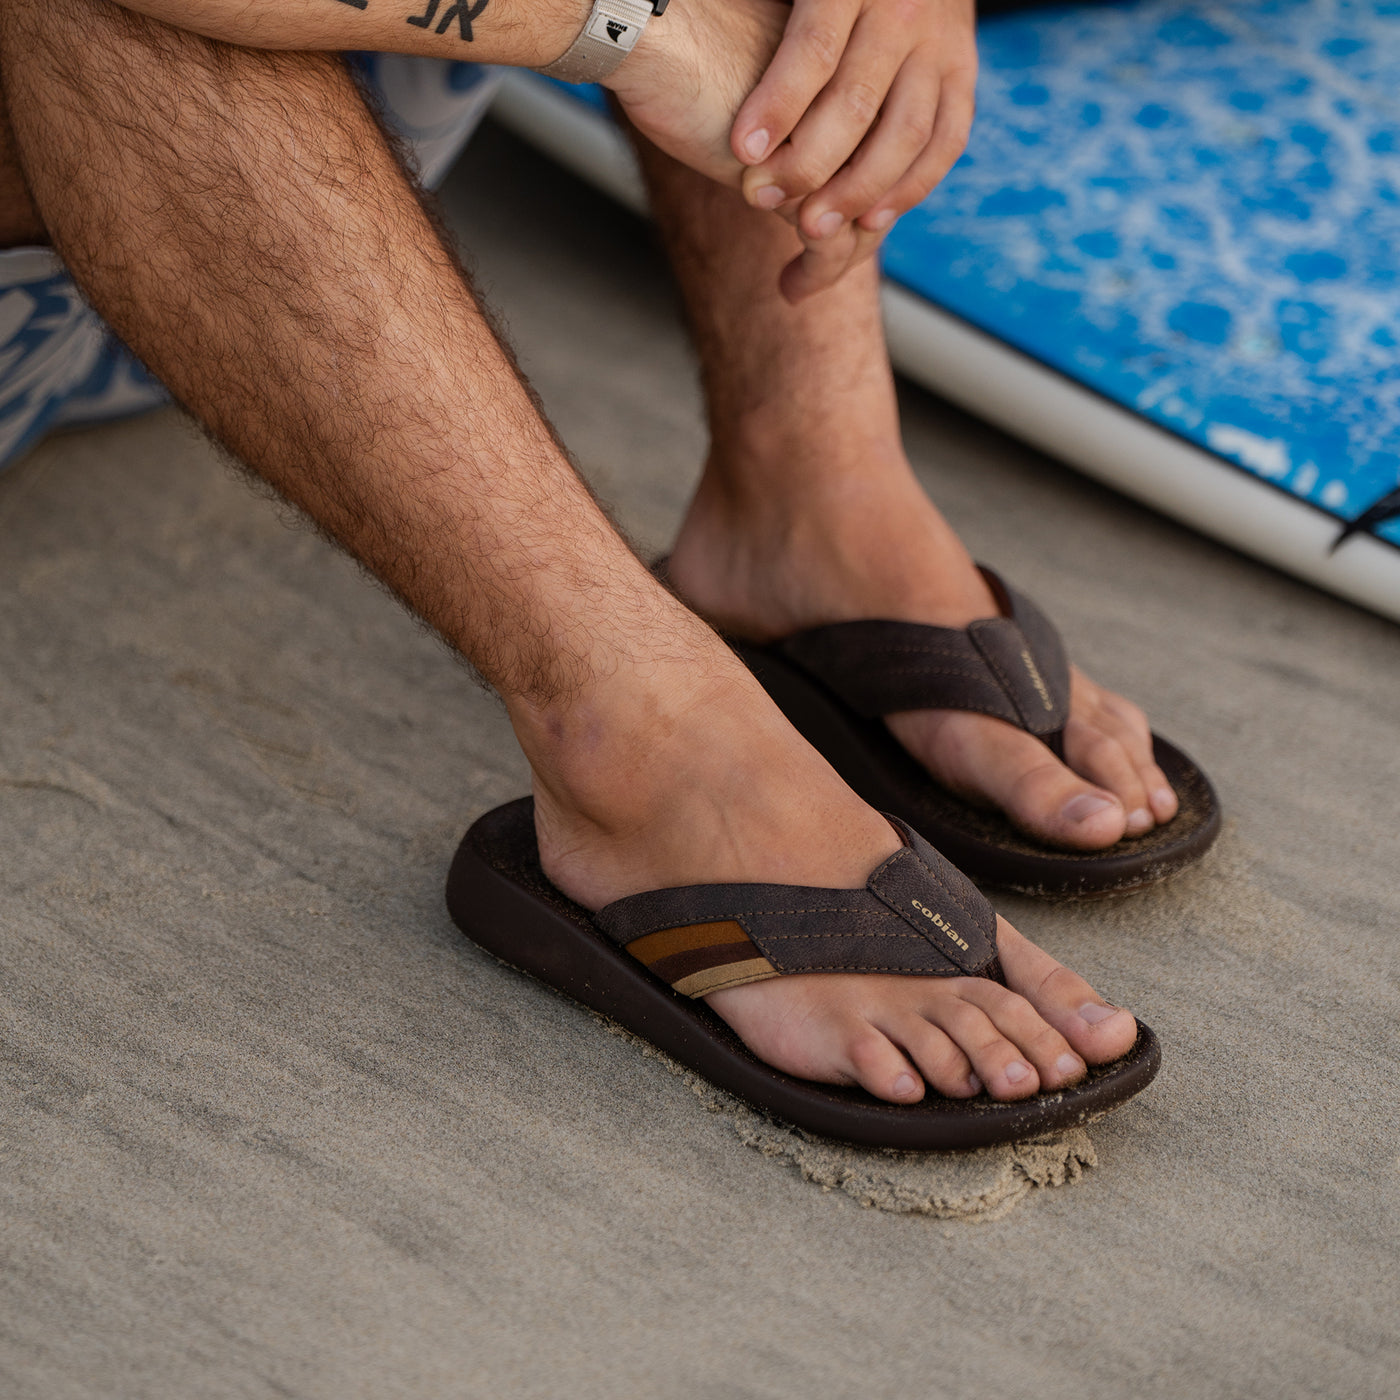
column 881, row 221
column 757, row 145
column 905, row 1085
column 769, row 197
column 1016, row 1071
column 1139, row 819
column 1069, row 1065
column 1093, row 1012
column 829, row 223
column 1084, row 806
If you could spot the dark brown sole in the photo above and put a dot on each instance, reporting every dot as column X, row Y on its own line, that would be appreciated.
column 499, row 897
column 981, row 843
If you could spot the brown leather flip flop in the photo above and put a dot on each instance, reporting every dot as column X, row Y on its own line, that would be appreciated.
column 645, row 961
column 834, row 683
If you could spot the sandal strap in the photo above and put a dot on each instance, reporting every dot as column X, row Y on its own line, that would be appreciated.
column 1013, row 667
column 918, row 915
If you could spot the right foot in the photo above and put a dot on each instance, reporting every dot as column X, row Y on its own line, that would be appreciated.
column 671, row 781
column 877, row 548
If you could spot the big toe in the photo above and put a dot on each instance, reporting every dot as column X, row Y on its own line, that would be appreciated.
column 1058, row 806
column 1098, row 1031
column 1010, row 769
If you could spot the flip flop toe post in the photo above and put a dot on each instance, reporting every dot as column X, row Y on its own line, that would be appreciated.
column 645, row 962
column 835, row 684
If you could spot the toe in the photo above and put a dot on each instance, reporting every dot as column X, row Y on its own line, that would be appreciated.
column 1056, row 1064
column 1094, row 1029
column 880, row 1068
column 996, row 1060
column 1103, row 759
column 995, row 762
column 1161, row 796
column 943, row 1066
column 1134, row 775
column 1057, row 805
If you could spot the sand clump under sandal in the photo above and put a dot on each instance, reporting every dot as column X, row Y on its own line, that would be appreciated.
column 834, row 684
column 644, row 961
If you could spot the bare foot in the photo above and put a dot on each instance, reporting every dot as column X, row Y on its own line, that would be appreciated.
column 877, row 548
column 690, row 775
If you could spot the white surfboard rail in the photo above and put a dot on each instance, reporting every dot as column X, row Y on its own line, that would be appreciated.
column 1023, row 397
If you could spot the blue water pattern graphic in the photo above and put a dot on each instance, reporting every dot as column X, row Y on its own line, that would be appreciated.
column 1193, row 209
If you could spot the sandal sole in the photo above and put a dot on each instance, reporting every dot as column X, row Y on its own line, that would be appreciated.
column 499, row 898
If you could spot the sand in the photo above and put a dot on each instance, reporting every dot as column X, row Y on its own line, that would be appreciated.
column 271, row 1128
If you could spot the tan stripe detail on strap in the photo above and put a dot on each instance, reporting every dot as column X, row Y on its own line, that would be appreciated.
column 665, row 943
column 733, row 974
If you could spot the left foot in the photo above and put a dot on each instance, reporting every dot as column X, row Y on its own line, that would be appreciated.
column 872, row 545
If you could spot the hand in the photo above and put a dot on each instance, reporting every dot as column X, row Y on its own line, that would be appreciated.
column 866, row 106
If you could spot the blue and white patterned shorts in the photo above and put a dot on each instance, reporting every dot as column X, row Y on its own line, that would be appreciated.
column 60, row 366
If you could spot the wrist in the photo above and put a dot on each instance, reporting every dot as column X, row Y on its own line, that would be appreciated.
column 559, row 24
column 611, row 31
column 657, row 55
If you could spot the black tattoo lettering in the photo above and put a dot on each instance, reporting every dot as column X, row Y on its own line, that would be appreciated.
column 459, row 10
column 358, row 4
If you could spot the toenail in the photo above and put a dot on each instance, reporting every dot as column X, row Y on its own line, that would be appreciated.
column 1140, row 818
column 1092, row 1012
column 881, row 221
column 1069, row 1065
column 974, row 1084
column 1016, row 1071
column 829, row 223
column 1163, row 798
column 905, row 1085
column 1086, row 805
column 769, row 197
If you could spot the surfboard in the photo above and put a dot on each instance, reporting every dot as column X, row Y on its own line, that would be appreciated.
column 1168, row 258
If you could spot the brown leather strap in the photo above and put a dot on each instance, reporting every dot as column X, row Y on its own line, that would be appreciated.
column 917, row 915
column 1012, row 667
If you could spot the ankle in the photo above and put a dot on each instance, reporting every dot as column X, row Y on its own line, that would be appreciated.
column 673, row 777
column 609, row 759
column 847, row 546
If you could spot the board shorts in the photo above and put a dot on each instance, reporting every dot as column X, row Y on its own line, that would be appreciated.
column 62, row 367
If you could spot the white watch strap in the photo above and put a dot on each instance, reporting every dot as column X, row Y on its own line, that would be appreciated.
column 608, row 36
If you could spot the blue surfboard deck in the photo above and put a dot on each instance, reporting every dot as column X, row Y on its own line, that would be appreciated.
column 1194, row 210
column 1190, row 213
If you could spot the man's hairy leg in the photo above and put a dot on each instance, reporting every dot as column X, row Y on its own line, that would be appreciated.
column 19, row 220
column 809, row 513
column 239, row 219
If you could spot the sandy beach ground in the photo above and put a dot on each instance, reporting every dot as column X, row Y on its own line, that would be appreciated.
column 271, row 1128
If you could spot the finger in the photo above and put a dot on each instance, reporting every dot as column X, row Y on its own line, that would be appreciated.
column 901, row 135
column 838, row 120
column 996, row 1061
column 941, row 1063
column 826, row 262
column 1100, row 758
column 956, row 104
column 811, row 49
column 1054, row 1058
